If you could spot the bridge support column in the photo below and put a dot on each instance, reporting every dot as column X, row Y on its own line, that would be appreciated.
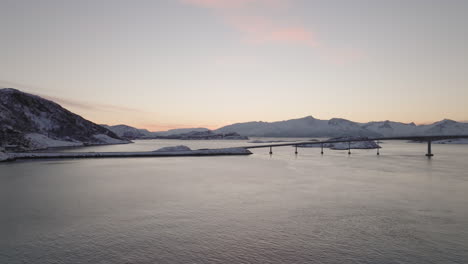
column 429, row 149
column 271, row 150
column 349, row 147
column 296, row 150
column 322, row 149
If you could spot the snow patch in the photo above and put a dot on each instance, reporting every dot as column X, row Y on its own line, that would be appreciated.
column 355, row 145
column 39, row 141
column 173, row 148
column 4, row 156
column 344, row 145
column 105, row 139
column 452, row 141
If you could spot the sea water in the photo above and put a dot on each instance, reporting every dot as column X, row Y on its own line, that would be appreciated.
column 399, row 207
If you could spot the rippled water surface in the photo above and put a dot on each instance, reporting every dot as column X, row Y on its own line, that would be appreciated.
column 399, row 207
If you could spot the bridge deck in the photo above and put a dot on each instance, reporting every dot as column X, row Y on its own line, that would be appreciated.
column 415, row 138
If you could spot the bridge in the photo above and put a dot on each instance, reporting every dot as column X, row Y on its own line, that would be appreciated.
column 215, row 152
column 427, row 139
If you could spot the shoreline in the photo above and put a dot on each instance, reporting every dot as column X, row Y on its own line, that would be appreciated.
column 150, row 154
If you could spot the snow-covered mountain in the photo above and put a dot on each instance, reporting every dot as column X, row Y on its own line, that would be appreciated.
column 443, row 128
column 30, row 122
column 178, row 131
column 390, row 129
column 128, row 132
column 205, row 135
column 337, row 127
column 302, row 127
column 307, row 127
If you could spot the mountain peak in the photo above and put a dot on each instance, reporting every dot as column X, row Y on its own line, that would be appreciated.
column 31, row 122
column 446, row 121
column 309, row 117
column 9, row 90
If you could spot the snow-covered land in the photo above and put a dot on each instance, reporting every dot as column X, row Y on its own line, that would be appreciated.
column 452, row 141
column 312, row 127
column 391, row 129
column 30, row 122
column 178, row 131
column 39, row 141
column 4, row 156
column 104, row 139
column 302, row 127
column 344, row 145
column 205, row 135
column 128, row 132
column 442, row 128
column 174, row 148
column 355, row 145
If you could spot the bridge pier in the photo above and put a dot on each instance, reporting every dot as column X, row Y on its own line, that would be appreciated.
column 429, row 149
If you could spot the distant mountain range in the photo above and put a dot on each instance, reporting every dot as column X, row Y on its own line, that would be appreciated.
column 129, row 132
column 312, row 127
column 29, row 122
column 336, row 127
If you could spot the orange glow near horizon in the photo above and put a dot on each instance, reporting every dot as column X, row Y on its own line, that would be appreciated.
column 208, row 63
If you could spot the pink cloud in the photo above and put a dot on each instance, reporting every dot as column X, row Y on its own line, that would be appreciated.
column 247, row 17
column 258, row 29
column 234, row 4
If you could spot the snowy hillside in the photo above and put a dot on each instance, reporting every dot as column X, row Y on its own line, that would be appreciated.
column 204, row 135
column 128, row 132
column 30, row 122
column 336, row 127
column 444, row 128
column 179, row 131
column 302, row 127
column 390, row 129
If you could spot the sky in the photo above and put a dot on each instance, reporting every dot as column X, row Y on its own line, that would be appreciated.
column 162, row 64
